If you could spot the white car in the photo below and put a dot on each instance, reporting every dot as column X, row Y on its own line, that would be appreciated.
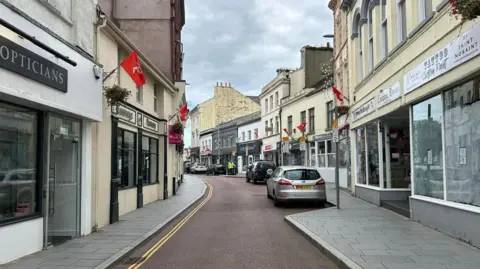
column 199, row 168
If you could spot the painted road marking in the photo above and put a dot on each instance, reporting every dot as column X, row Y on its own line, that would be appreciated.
column 140, row 261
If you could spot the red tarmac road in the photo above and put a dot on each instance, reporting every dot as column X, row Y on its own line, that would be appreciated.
column 238, row 227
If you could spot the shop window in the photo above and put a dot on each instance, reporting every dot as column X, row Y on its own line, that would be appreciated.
column 330, row 153
column 462, row 141
column 361, row 156
column 322, row 162
column 312, row 154
column 18, row 158
column 372, row 154
column 149, row 166
column 126, row 157
column 427, row 148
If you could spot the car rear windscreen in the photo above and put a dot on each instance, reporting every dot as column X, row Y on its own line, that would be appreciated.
column 302, row 174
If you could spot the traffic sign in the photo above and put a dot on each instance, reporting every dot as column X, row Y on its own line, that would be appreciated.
column 302, row 139
column 335, row 124
column 285, row 139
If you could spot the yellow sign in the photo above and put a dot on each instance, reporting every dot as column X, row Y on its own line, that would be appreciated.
column 302, row 139
column 234, row 149
column 285, row 139
column 335, row 124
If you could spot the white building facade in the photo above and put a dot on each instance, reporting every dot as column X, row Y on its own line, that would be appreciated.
column 206, row 148
column 270, row 98
column 249, row 143
column 50, row 94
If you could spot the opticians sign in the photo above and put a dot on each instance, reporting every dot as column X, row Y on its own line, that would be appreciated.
column 20, row 60
column 460, row 50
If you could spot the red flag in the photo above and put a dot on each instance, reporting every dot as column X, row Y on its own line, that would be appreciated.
column 301, row 127
column 286, row 131
column 132, row 66
column 338, row 94
column 183, row 112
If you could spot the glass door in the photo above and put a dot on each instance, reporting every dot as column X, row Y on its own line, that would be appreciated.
column 63, row 187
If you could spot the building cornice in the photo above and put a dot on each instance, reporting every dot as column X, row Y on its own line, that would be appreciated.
column 273, row 85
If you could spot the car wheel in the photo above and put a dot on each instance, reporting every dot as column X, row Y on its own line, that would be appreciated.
column 247, row 179
column 268, row 194
column 254, row 180
column 322, row 203
column 276, row 203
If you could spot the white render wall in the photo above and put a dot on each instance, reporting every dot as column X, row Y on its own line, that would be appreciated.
column 73, row 20
column 195, row 128
column 207, row 140
column 250, row 127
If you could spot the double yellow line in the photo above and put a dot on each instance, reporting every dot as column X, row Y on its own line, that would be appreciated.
column 140, row 261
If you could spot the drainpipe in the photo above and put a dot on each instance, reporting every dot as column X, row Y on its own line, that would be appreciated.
column 280, row 133
column 100, row 23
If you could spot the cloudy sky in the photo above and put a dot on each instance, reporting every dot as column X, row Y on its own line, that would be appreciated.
column 244, row 42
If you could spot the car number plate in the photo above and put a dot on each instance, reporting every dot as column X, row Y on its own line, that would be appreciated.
column 303, row 187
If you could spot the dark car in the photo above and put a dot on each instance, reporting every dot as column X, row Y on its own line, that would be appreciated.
column 257, row 172
column 216, row 169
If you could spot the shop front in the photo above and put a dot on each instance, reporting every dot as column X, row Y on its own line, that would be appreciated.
column 247, row 154
column 50, row 93
column 322, row 155
column 270, row 151
column 195, row 154
column 136, row 159
column 295, row 155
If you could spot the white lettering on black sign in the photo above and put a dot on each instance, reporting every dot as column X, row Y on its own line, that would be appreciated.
column 26, row 63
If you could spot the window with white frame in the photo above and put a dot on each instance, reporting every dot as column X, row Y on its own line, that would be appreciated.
column 289, row 124
column 139, row 94
column 424, row 9
column 266, row 105
column 370, row 41
column 243, row 136
column 384, row 30
column 330, row 114
column 271, row 102
column 360, row 51
column 249, row 135
column 271, row 125
column 401, row 21
column 368, row 155
column 155, row 97
column 326, row 156
column 255, row 133
column 311, row 120
column 266, row 127
column 277, row 101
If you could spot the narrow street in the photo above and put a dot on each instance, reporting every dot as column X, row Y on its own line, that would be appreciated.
column 238, row 227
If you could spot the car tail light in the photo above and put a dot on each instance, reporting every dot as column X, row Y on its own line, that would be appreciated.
column 284, row 182
column 320, row 182
column 4, row 186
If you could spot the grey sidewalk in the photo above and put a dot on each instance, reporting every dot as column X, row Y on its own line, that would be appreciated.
column 363, row 235
column 102, row 248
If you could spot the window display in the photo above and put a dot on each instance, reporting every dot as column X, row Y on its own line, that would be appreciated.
column 462, row 143
column 361, row 156
column 372, row 145
column 427, row 148
column 149, row 166
column 126, row 158
column 18, row 149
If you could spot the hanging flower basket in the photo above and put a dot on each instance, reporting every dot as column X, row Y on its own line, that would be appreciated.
column 115, row 94
column 342, row 110
column 467, row 9
column 177, row 128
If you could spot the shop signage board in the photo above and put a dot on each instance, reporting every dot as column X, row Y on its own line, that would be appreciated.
column 388, row 95
column 460, row 50
column 134, row 117
column 286, row 139
column 364, row 109
column 125, row 113
column 26, row 63
column 173, row 137
column 335, row 135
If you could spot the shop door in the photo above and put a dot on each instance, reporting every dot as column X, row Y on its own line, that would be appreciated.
column 63, row 187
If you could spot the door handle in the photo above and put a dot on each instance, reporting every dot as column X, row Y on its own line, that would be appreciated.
column 51, row 194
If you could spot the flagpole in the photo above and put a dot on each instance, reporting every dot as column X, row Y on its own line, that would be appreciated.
column 109, row 74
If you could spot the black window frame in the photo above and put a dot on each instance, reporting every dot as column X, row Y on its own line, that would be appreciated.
column 40, row 149
column 289, row 124
column 147, row 174
column 303, row 116
column 120, row 150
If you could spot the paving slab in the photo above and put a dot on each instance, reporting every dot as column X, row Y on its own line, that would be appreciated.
column 361, row 235
column 101, row 249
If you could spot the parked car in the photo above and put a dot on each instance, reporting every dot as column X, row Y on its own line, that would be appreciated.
column 257, row 172
column 187, row 167
column 216, row 169
column 290, row 183
column 199, row 168
column 16, row 186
